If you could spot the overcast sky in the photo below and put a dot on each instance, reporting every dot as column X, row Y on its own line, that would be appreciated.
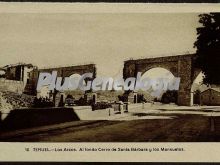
column 104, row 39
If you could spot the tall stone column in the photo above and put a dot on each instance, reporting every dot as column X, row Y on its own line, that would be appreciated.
column 94, row 98
column 135, row 97
column 184, row 72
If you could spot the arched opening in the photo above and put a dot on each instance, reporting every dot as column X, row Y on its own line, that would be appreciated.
column 76, row 78
column 76, row 93
column 155, row 73
column 158, row 73
column 44, row 92
column 196, row 88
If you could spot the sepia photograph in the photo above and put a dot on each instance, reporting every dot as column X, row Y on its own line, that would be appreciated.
column 110, row 77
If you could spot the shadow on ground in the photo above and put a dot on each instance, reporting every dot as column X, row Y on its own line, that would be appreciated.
column 26, row 118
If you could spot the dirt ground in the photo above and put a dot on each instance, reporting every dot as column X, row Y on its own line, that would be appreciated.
column 182, row 128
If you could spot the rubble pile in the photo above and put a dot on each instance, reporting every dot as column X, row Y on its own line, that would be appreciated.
column 4, row 105
column 15, row 100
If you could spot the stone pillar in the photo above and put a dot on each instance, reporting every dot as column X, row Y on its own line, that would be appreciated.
column 121, row 106
column 126, row 107
column 62, row 99
column 94, row 98
column 143, row 105
column 59, row 99
column 135, row 97
column 56, row 99
column 86, row 96
column 191, row 98
column 184, row 92
column 22, row 68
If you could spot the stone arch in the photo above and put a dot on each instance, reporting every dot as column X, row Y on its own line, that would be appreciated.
column 155, row 72
column 44, row 92
column 172, row 68
column 65, row 71
column 180, row 66
column 76, row 93
column 197, row 84
column 161, row 69
column 76, row 76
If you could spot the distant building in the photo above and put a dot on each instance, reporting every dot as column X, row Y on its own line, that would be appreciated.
column 19, row 72
column 2, row 73
column 210, row 96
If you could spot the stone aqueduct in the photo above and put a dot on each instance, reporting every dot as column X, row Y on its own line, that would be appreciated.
column 61, row 72
column 180, row 66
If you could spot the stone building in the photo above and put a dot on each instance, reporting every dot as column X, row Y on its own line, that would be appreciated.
column 210, row 96
column 17, row 74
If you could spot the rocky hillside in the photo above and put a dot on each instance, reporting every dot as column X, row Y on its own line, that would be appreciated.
column 4, row 105
column 11, row 100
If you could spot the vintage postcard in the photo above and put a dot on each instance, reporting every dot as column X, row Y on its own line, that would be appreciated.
column 109, row 82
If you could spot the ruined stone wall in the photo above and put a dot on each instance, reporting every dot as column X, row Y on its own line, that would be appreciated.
column 13, row 73
column 61, row 72
column 11, row 85
column 69, row 70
